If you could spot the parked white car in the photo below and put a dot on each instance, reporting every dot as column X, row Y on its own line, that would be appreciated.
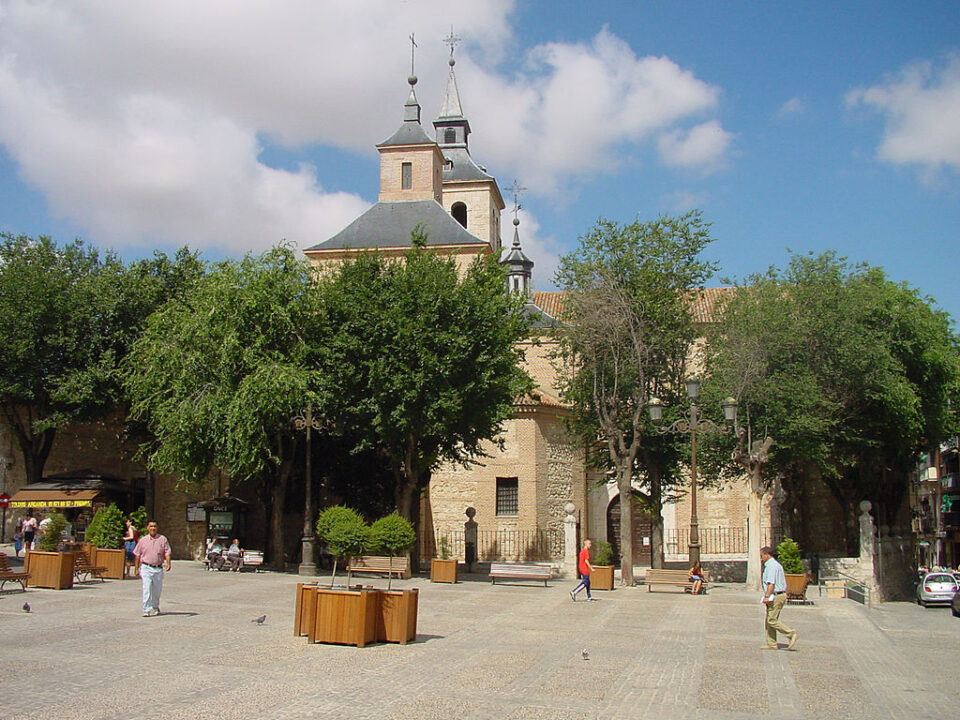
column 936, row 589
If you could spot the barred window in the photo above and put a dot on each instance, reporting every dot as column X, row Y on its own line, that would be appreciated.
column 507, row 496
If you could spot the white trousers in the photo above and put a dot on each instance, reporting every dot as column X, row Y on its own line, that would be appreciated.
column 151, row 579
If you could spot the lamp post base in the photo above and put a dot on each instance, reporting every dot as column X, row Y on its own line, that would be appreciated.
column 308, row 564
column 693, row 552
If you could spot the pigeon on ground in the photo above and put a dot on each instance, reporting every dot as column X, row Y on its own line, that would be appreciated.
column 586, row 655
column 26, row 607
column 260, row 620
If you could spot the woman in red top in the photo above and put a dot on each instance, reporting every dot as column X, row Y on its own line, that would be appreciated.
column 585, row 568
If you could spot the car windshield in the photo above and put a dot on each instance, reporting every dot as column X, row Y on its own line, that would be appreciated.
column 940, row 579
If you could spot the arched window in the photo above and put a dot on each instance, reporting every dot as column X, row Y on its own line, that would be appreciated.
column 449, row 136
column 459, row 212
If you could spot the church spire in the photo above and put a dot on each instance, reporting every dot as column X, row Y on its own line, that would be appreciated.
column 411, row 110
column 519, row 266
column 451, row 126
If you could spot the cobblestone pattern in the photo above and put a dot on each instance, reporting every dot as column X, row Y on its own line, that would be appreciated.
column 483, row 651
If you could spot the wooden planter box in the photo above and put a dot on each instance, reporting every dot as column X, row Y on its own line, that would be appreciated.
column 112, row 559
column 602, row 577
column 49, row 569
column 345, row 617
column 443, row 571
column 306, row 613
column 397, row 615
column 796, row 586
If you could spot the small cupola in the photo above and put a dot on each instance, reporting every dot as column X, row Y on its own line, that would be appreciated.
column 519, row 266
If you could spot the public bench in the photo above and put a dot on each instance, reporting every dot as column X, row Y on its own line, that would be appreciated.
column 82, row 567
column 252, row 559
column 673, row 578
column 521, row 571
column 8, row 574
column 383, row 564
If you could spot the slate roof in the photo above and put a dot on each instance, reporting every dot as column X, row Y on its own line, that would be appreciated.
column 389, row 224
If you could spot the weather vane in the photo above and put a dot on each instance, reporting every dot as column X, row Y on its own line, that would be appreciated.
column 517, row 190
column 413, row 50
column 451, row 40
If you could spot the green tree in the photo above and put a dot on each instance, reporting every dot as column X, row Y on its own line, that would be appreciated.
column 394, row 535
column 421, row 364
column 345, row 534
column 217, row 377
column 52, row 533
column 852, row 373
column 55, row 359
column 788, row 555
column 625, row 338
column 106, row 529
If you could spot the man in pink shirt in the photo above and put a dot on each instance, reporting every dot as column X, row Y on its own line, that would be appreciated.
column 152, row 557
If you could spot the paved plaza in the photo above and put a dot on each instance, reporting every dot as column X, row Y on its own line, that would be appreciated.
column 504, row 651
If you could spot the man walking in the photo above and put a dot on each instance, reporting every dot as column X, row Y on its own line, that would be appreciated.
column 585, row 568
column 152, row 558
column 774, row 598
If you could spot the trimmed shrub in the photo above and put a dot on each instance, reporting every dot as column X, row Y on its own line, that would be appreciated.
column 602, row 553
column 49, row 541
column 106, row 530
column 788, row 554
column 393, row 535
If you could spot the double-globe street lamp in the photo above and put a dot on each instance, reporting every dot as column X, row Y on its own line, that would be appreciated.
column 308, row 561
column 692, row 424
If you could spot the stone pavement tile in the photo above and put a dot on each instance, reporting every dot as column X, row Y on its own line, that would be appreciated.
column 535, row 712
column 747, row 652
column 733, row 688
column 493, row 671
column 835, row 696
column 818, row 658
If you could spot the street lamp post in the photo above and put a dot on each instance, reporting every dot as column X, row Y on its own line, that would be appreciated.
column 692, row 424
column 308, row 564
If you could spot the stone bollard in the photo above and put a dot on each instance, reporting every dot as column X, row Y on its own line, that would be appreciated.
column 570, row 541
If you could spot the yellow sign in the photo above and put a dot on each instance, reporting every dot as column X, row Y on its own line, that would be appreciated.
column 51, row 503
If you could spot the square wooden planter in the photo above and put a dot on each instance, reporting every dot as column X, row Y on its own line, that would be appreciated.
column 443, row 571
column 49, row 569
column 796, row 586
column 345, row 617
column 111, row 559
column 397, row 615
column 306, row 612
column 602, row 577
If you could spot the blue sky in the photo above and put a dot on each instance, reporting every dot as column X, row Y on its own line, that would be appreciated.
column 231, row 125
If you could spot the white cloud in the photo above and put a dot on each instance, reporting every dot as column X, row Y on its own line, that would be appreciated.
column 793, row 106
column 703, row 146
column 139, row 121
column 681, row 201
column 921, row 105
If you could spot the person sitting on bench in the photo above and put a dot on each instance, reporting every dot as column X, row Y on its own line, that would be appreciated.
column 696, row 577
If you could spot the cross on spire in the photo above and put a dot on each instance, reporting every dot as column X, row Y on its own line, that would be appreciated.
column 452, row 40
column 413, row 50
column 517, row 190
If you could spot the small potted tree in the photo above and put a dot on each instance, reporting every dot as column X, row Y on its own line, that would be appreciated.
column 47, row 566
column 339, row 615
column 105, row 534
column 443, row 569
column 788, row 555
column 602, row 576
column 396, row 609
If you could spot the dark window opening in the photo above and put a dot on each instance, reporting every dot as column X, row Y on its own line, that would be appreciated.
column 507, row 496
column 449, row 136
column 459, row 212
column 406, row 176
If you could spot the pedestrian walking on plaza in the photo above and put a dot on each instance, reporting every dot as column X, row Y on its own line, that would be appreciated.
column 152, row 558
column 774, row 598
column 585, row 568
column 29, row 526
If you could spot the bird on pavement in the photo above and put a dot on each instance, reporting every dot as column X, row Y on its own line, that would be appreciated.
column 586, row 655
column 260, row 620
column 26, row 607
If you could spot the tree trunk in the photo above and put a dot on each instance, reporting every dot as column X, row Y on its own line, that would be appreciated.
column 754, row 541
column 278, row 493
column 34, row 447
column 626, row 525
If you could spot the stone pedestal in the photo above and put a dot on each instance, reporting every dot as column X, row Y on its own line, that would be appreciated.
column 569, row 542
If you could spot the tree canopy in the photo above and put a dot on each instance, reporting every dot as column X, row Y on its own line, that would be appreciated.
column 851, row 373
column 422, row 362
column 626, row 335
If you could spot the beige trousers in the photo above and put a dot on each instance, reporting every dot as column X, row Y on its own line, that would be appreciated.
column 772, row 623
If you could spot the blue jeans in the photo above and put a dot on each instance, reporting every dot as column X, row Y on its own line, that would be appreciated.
column 584, row 583
column 151, row 580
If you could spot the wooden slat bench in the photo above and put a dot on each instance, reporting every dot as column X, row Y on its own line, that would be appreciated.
column 8, row 574
column 383, row 564
column 673, row 578
column 82, row 566
column 521, row 571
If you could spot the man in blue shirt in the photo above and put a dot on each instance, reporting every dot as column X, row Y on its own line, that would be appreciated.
column 774, row 598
